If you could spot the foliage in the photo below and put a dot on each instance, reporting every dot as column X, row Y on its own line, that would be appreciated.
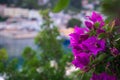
column 72, row 22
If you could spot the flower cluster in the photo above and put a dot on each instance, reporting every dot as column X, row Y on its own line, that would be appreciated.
column 93, row 44
column 84, row 45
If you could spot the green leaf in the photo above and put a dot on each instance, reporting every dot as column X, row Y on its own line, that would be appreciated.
column 61, row 5
column 111, row 58
column 93, row 32
column 101, row 35
column 102, row 56
column 99, row 59
column 97, row 24
column 100, row 68
column 110, row 27
column 107, row 28
column 117, row 37
column 108, row 20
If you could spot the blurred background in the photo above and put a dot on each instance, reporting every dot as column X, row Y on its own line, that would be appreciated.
column 34, row 36
column 20, row 20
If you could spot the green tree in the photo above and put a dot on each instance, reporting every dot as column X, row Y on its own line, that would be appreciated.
column 51, row 50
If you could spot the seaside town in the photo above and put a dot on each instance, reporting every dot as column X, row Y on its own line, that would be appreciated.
column 22, row 24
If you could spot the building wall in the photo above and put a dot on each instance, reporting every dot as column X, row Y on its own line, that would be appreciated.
column 16, row 12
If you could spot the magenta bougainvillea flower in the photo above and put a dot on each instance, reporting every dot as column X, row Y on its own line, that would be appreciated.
column 81, row 60
column 114, row 51
column 103, row 76
column 96, row 17
column 89, row 24
column 78, row 36
column 81, row 48
column 100, row 30
column 94, row 44
column 76, row 39
column 88, row 45
column 80, row 30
